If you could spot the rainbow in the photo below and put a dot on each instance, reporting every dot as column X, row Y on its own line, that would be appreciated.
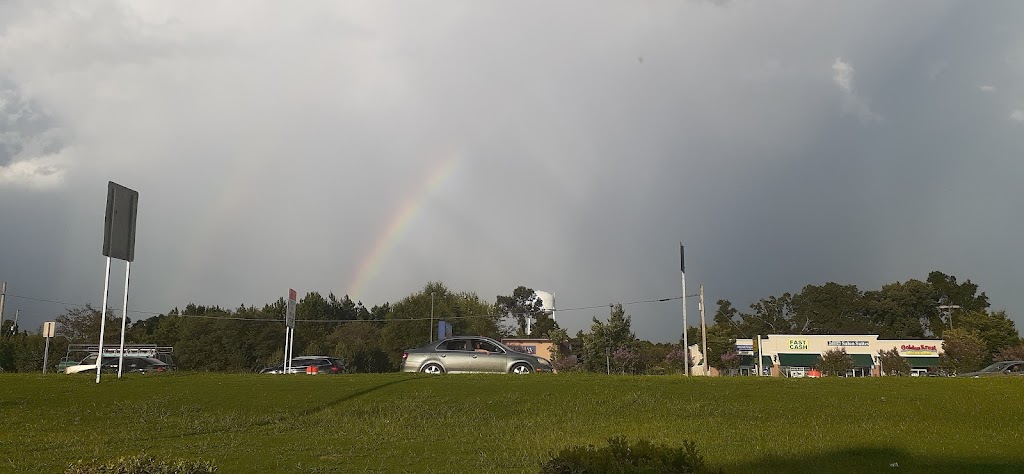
column 397, row 225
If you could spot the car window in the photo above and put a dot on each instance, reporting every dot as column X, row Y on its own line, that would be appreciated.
column 997, row 367
column 485, row 346
column 453, row 345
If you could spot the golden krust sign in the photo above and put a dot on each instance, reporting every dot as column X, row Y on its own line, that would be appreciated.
column 919, row 349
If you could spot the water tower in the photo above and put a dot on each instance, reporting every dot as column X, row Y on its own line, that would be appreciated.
column 547, row 302
column 547, row 305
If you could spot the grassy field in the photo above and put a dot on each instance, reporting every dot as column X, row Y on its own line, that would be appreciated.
column 493, row 423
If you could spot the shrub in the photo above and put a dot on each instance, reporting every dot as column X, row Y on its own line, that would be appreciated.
column 677, row 358
column 1010, row 353
column 625, row 360
column 963, row 350
column 730, row 362
column 566, row 363
column 620, row 456
column 836, row 362
column 142, row 464
column 893, row 363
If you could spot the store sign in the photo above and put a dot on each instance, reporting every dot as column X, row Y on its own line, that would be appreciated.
column 798, row 344
column 523, row 349
column 744, row 347
column 848, row 343
column 919, row 349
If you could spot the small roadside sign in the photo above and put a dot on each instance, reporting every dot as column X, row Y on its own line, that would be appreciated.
column 290, row 313
column 48, row 330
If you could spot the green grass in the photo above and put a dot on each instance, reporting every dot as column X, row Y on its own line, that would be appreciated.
column 493, row 423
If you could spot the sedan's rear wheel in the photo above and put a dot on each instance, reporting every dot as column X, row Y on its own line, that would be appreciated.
column 521, row 369
column 432, row 369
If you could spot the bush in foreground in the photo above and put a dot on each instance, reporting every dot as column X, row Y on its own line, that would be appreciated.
column 621, row 457
column 142, row 464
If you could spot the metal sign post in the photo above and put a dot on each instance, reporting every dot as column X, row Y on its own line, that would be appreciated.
column 103, row 321
column 119, row 243
column 48, row 330
column 124, row 319
column 289, row 331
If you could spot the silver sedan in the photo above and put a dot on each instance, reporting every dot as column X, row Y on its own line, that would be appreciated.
column 465, row 354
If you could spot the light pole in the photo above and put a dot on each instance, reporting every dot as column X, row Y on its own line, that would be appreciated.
column 431, row 329
column 948, row 309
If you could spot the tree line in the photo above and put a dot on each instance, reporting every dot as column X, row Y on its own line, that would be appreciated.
column 249, row 338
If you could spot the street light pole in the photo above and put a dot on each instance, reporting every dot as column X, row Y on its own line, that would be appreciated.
column 948, row 309
column 431, row 330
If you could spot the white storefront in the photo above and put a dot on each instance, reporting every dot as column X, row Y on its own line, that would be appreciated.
column 795, row 355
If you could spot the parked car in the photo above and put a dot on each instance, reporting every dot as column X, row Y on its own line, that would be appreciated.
column 471, row 354
column 132, row 364
column 323, row 364
column 1006, row 367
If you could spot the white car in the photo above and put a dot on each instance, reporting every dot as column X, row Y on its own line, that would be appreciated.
column 135, row 364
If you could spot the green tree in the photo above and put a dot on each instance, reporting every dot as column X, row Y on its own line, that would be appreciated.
column 963, row 351
column 726, row 318
column 996, row 329
column 523, row 303
column 963, row 294
column 829, row 309
column 408, row 324
column 606, row 337
column 543, row 325
column 82, row 326
column 893, row 363
column 835, row 362
column 770, row 316
column 650, row 357
column 900, row 310
column 721, row 342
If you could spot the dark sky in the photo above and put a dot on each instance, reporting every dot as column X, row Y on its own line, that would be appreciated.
column 366, row 149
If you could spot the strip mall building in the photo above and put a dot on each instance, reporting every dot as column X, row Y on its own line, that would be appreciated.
column 794, row 355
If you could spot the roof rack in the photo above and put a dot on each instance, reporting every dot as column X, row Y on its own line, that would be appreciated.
column 129, row 349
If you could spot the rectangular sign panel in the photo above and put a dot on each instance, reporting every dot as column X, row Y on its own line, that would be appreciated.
column 290, row 312
column 848, row 343
column 49, row 328
column 119, row 222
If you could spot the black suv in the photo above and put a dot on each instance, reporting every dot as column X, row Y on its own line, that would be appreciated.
column 323, row 364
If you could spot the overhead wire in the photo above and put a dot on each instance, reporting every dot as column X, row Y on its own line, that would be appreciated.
column 236, row 318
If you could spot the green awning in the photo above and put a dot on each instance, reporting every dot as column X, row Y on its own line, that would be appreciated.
column 862, row 360
column 923, row 362
column 799, row 360
column 766, row 361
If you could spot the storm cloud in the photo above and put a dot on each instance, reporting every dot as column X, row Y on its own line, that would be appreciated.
column 567, row 147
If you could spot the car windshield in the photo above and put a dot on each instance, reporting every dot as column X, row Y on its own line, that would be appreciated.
column 997, row 367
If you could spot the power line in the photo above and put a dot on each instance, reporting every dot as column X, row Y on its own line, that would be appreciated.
column 235, row 318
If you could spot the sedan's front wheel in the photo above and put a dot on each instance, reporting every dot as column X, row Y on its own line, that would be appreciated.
column 432, row 369
column 521, row 369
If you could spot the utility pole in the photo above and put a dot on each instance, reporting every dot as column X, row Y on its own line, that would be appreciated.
column 14, row 327
column 947, row 308
column 704, row 332
column 686, row 342
column 431, row 329
column 3, row 298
